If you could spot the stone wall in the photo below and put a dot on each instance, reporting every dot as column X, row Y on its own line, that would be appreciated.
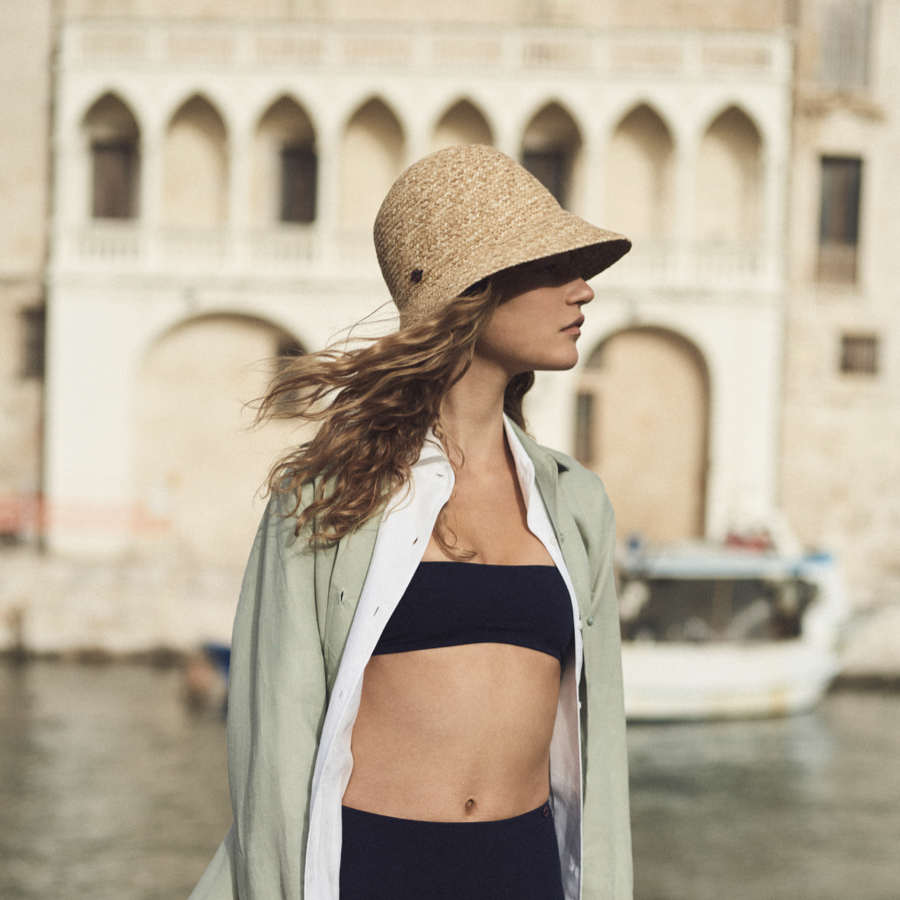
column 841, row 430
column 643, row 84
column 25, row 73
column 723, row 15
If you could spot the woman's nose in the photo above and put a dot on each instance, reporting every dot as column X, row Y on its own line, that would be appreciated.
column 581, row 293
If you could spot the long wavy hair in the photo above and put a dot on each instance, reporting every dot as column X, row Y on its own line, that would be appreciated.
column 376, row 404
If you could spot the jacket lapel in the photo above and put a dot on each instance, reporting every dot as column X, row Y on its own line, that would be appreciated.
column 547, row 473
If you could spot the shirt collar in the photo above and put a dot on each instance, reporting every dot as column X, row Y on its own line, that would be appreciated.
column 523, row 462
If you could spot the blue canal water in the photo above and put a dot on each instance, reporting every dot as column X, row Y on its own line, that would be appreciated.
column 111, row 788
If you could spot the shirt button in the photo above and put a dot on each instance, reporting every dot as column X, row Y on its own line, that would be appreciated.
column 580, row 625
column 590, row 620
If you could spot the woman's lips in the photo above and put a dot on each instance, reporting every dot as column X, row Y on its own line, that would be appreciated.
column 575, row 327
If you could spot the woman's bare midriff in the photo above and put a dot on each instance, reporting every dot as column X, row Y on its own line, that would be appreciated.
column 454, row 734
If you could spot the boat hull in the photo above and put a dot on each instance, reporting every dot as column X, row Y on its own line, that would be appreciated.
column 672, row 681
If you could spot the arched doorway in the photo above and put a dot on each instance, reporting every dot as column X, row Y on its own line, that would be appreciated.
column 199, row 468
column 642, row 425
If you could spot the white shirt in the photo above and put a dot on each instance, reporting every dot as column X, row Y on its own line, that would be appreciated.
column 403, row 535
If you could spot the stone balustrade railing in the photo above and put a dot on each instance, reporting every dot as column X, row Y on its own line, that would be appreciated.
column 131, row 248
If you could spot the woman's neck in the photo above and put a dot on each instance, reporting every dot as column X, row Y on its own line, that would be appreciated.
column 472, row 415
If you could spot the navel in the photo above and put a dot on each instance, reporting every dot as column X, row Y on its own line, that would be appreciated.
column 470, row 807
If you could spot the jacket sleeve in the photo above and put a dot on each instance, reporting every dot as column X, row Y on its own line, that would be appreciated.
column 607, row 873
column 276, row 707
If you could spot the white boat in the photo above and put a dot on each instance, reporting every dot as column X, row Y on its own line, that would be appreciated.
column 719, row 632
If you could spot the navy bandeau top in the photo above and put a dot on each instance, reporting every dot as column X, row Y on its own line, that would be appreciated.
column 451, row 603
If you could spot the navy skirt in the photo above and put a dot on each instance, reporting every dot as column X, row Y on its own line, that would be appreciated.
column 383, row 858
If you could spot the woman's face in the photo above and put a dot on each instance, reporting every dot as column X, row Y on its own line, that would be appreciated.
column 537, row 326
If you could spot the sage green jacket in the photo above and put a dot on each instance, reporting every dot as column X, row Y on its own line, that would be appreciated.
column 293, row 618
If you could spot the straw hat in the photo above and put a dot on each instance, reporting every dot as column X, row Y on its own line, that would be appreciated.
column 464, row 213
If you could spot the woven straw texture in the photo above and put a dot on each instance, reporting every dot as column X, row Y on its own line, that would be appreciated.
column 464, row 213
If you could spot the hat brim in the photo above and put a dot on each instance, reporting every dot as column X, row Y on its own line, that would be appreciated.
column 592, row 250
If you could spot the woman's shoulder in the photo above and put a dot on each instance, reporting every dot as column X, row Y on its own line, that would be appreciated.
column 571, row 474
column 577, row 483
column 286, row 502
column 577, row 487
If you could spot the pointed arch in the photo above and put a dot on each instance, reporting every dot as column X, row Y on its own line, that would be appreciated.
column 729, row 183
column 463, row 123
column 642, row 423
column 285, row 165
column 372, row 157
column 640, row 175
column 551, row 151
column 195, row 165
column 113, row 139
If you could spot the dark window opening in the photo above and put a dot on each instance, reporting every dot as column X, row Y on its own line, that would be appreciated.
column 114, row 180
column 839, row 219
column 550, row 167
column 298, row 184
column 288, row 350
column 584, row 427
column 33, row 329
column 708, row 610
column 859, row 354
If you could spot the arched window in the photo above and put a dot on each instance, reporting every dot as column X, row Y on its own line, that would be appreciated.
column 639, row 176
column 195, row 160
column 372, row 159
column 551, row 149
column 729, row 180
column 462, row 124
column 285, row 165
column 113, row 139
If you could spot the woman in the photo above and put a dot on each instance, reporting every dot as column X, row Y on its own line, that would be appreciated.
column 426, row 697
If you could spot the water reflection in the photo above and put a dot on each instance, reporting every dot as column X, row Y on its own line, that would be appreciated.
column 109, row 787
column 771, row 810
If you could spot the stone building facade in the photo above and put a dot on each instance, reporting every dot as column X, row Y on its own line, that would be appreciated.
column 216, row 182
column 217, row 169
column 840, row 482
column 26, row 33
